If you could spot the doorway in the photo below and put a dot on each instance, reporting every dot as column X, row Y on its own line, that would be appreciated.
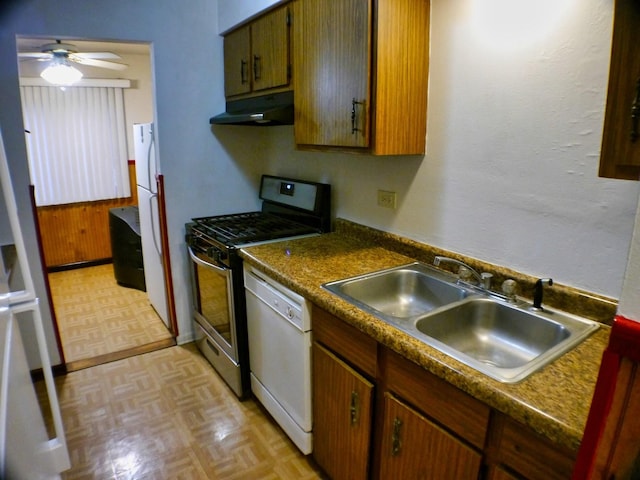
column 96, row 317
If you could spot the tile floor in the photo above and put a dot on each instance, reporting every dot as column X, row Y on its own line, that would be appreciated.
column 97, row 317
column 159, row 415
column 167, row 415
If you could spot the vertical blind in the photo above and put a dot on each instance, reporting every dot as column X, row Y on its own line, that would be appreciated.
column 76, row 143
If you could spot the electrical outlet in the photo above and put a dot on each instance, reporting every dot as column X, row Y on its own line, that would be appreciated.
column 386, row 199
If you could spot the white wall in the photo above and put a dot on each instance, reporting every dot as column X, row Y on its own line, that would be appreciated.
column 513, row 143
column 629, row 306
column 233, row 12
column 201, row 178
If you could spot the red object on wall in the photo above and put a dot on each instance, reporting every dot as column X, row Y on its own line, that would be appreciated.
column 605, row 451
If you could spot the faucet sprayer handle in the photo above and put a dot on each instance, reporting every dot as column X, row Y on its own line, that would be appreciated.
column 537, row 292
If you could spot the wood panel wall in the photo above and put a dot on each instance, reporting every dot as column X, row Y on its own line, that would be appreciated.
column 79, row 232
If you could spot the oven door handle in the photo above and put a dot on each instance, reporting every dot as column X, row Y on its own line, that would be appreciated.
column 199, row 261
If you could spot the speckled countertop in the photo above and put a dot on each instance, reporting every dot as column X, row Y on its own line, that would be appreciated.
column 554, row 401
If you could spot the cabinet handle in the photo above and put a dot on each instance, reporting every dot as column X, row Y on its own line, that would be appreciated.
column 635, row 113
column 256, row 65
column 354, row 408
column 354, row 128
column 395, row 437
column 243, row 71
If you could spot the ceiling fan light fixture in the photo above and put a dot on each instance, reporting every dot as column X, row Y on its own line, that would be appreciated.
column 61, row 73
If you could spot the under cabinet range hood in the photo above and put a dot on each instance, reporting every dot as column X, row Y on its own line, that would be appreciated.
column 266, row 110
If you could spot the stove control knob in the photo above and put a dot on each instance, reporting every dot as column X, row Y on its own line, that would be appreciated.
column 290, row 312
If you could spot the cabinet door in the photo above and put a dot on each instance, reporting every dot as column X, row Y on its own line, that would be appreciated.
column 270, row 50
column 498, row 473
column 342, row 409
column 527, row 453
column 620, row 156
column 414, row 447
column 332, row 61
column 237, row 69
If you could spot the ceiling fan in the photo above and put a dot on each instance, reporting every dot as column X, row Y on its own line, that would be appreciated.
column 60, row 56
column 59, row 51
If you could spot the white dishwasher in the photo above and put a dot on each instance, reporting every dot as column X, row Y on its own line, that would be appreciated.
column 279, row 328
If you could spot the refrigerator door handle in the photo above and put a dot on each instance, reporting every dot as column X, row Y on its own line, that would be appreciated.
column 150, row 177
column 154, row 227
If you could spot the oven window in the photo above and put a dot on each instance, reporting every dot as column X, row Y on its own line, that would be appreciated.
column 213, row 303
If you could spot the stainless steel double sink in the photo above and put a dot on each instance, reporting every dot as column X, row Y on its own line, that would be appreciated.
column 506, row 341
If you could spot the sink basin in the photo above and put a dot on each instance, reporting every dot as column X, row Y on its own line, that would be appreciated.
column 503, row 340
column 493, row 333
column 401, row 292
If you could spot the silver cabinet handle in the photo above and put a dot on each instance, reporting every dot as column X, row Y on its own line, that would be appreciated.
column 354, row 408
column 395, row 437
column 354, row 127
column 635, row 113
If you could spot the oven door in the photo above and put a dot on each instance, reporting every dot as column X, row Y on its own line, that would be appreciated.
column 213, row 302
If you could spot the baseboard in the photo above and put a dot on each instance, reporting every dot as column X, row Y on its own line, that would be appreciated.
column 75, row 265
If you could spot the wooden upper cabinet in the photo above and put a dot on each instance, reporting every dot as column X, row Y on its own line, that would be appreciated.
column 237, row 54
column 270, row 50
column 257, row 55
column 332, row 42
column 362, row 74
column 620, row 155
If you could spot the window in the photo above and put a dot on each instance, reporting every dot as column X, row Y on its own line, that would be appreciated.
column 76, row 141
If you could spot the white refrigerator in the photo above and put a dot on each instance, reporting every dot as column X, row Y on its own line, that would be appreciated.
column 147, row 170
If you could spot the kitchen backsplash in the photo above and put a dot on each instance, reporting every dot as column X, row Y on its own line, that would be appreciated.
column 579, row 302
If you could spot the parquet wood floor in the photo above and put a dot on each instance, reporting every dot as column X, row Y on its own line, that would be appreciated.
column 167, row 415
column 98, row 318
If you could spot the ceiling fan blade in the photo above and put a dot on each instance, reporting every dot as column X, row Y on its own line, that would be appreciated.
column 97, row 63
column 98, row 55
column 35, row 55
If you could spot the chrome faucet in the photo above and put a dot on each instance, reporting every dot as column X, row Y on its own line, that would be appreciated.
column 484, row 279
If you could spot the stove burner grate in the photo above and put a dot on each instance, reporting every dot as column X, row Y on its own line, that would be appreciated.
column 242, row 228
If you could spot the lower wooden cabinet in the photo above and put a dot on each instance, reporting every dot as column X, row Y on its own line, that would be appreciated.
column 522, row 451
column 378, row 415
column 415, row 447
column 342, row 416
column 498, row 473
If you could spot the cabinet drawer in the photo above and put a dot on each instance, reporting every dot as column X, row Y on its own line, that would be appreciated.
column 529, row 454
column 345, row 340
column 435, row 397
